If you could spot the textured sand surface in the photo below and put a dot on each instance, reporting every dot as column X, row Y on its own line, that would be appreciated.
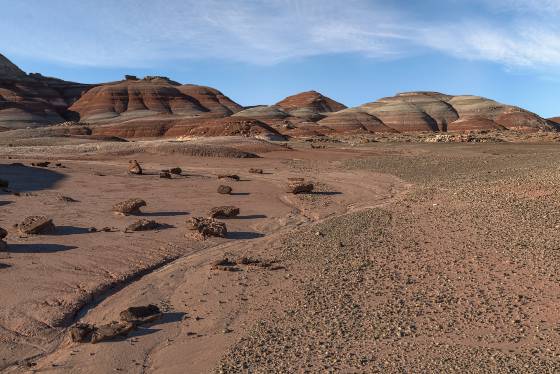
column 408, row 258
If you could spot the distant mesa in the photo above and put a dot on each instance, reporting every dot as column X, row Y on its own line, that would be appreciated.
column 156, row 106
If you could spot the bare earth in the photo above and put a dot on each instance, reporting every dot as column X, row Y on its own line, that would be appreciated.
column 406, row 258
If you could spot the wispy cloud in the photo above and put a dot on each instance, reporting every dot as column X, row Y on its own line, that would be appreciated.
column 141, row 33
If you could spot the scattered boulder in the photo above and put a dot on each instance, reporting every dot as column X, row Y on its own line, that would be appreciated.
column 130, row 206
column 229, row 176
column 256, row 171
column 111, row 331
column 298, row 185
column 224, row 264
column 176, row 171
column 34, row 225
column 142, row 225
column 227, row 211
column 81, row 332
column 4, row 183
column 165, row 174
column 140, row 314
column 134, row 167
column 206, row 227
column 224, row 190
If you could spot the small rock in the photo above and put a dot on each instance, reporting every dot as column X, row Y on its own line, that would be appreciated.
column 224, row 190
column 224, row 212
column 299, row 186
column 206, row 227
column 130, row 206
column 224, row 264
column 36, row 225
column 255, row 171
column 111, row 331
column 42, row 164
column 66, row 199
column 165, row 174
column 229, row 176
column 140, row 314
column 134, row 167
column 176, row 171
column 142, row 225
column 81, row 332
column 3, row 233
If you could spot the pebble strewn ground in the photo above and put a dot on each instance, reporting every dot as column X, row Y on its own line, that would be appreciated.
column 460, row 275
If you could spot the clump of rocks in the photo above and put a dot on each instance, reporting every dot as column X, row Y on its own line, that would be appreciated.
column 36, row 225
column 130, row 206
column 299, row 185
column 202, row 228
column 227, row 211
column 3, row 243
column 130, row 318
column 142, row 225
column 256, row 171
column 134, row 167
column 229, row 176
column 224, row 190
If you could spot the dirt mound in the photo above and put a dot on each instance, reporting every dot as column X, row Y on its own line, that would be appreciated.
column 132, row 98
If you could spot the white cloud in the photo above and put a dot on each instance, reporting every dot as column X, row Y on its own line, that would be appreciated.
column 141, row 33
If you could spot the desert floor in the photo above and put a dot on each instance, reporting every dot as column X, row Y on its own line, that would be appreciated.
column 407, row 258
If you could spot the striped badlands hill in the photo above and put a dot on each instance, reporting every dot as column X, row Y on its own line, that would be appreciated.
column 151, row 96
column 433, row 111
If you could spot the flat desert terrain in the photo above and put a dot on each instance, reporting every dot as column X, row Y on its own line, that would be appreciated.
column 406, row 257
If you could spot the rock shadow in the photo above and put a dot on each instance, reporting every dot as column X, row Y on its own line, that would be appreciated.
column 250, row 216
column 24, row 178
column 324, row 193
column 241, row 235
column 38, row 248
column 239, row 193
column 162, row 214
column 71, row 230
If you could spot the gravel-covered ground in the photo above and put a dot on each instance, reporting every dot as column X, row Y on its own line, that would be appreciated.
column 459, row 275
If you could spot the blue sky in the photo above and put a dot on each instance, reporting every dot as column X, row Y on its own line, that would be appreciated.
column 259, row 51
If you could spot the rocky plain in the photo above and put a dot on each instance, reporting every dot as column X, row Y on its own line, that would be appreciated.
column 149, row 226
